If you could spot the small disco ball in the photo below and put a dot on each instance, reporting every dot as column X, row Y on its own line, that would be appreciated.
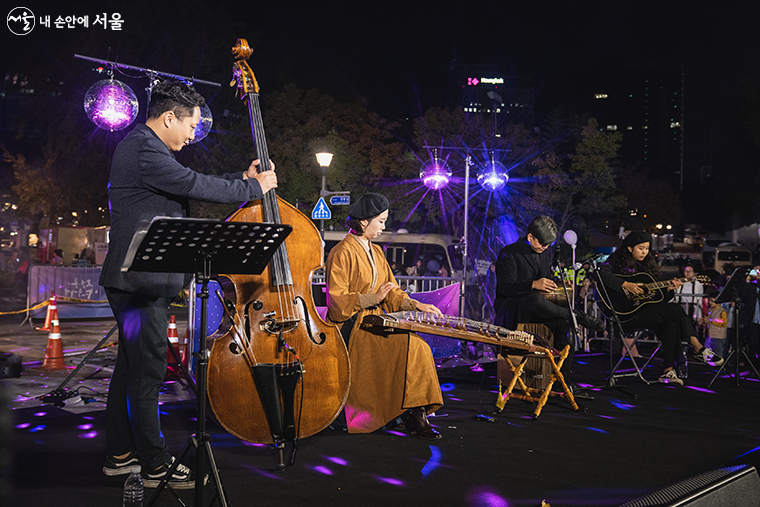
column 493, row 177
column 111, row 105
column 204, row 126
column 435, row 174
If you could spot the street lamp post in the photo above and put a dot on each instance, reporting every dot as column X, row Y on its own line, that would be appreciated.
column 323, row 159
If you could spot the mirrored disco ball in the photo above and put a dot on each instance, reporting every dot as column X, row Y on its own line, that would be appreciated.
column 435, row 174
column 204, row 126
column 110, row 104
column 493, row 177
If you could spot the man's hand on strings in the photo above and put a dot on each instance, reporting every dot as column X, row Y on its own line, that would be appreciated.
column 267, row 179
column 544, row 285
column 675, row 284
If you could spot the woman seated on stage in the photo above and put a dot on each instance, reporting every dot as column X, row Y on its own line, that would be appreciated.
column 665, row 318
column 389, row 375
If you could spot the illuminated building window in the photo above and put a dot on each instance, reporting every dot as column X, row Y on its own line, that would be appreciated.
column 601, row 96
column 611, row 127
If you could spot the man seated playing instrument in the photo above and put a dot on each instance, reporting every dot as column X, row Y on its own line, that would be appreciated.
column 523, row 277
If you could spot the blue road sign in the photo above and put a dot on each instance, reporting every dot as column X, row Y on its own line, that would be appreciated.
column 321, row 211
column 340, row 200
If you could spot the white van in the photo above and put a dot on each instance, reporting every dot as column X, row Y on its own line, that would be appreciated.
column 734, row 254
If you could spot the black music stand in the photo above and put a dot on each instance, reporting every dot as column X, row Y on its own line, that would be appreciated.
column 730, row 294
column 185, row 245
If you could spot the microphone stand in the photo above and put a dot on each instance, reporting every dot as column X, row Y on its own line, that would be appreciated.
column 616, row 327
column 569, row 298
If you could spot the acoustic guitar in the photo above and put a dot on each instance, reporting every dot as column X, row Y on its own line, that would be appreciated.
column 626, row 303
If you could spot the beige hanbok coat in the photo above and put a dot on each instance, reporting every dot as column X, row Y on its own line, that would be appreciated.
column 389, row 374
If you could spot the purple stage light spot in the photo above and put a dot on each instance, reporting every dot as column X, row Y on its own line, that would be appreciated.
column 252, row 444
column 486, row 497
column 700, row 389
column 264, row 473
column 447, row 387
column 336, row 460
column 37, row 428
column 40, row 414
column 397, row 433
column 89, row 434
column 622, row 405
column 322, row 470
column 85, row 426
column 390, row 480
column 598, row 430
column 22, row 426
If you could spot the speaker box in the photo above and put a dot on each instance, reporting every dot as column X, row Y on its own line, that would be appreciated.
column 724, row 487
column 10, row 365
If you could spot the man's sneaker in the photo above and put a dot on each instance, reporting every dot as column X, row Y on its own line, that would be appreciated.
column 707, row 356
column 182, row 478
column 120, row 466
column 670, row 377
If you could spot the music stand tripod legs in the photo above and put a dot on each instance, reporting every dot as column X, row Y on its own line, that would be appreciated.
column 201, row 441
column 738, row 347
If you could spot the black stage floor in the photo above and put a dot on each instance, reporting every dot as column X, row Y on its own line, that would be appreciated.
column 617, row 450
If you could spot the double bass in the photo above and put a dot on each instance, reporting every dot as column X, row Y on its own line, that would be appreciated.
column 280, row 372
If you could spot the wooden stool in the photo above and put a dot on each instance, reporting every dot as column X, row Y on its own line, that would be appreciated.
column 539, row 368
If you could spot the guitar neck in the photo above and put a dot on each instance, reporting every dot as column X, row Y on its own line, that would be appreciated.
column 666, row 283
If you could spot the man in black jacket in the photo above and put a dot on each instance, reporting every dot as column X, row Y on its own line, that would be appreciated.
column 146, row 181
column 523, row 272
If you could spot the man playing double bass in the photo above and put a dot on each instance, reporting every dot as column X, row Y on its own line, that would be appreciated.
column 523, row 277
column 146, row 181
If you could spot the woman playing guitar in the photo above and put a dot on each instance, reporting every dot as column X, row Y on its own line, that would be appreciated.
column 627, row 272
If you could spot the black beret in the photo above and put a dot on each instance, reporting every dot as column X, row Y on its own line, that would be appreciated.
column 637, row 237
column 368, row 206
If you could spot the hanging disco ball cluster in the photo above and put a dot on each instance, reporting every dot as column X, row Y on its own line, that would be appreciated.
column 435, row 174
column 112, row 105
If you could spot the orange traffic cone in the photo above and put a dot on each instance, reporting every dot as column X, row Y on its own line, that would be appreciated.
column 171, row 334
column 52, row 307
column 54, row 351
column 186, row 347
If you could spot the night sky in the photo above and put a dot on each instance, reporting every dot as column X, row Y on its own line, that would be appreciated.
column 398, row 55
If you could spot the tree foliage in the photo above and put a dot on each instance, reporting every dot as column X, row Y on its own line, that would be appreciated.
column 579, row 189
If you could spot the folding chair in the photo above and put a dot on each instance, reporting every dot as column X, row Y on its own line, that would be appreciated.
column 629, row 340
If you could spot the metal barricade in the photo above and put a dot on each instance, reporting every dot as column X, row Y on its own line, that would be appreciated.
column 76, row 282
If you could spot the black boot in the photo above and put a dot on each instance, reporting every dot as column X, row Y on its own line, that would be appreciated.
column 589, row 321
column 418, row 423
